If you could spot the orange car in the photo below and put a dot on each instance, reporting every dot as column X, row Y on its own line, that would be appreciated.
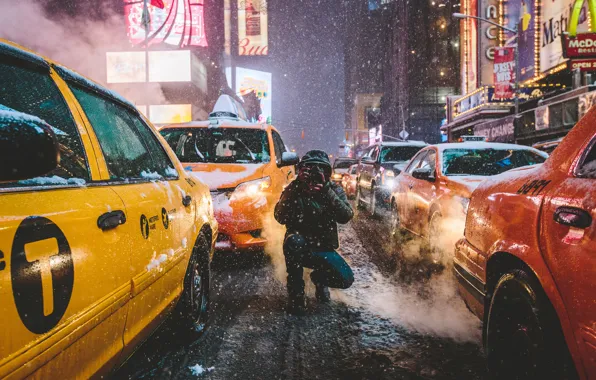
column 245, row 165
column 527, row 264
column 437, row 184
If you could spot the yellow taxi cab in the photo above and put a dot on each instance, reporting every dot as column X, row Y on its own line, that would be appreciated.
column 433, row 191
column 246, row 166
column 102, row 233
column 526, row 266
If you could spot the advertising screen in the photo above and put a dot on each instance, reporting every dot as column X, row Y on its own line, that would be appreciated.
column 169, row 66
column 178, row 23
column 170, row 113
column 555, row 21
column 126, row 67
column 522, row 13
column 252, row 27
column 258, row 82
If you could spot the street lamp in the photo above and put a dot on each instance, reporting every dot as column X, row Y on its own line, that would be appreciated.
column 516, row 33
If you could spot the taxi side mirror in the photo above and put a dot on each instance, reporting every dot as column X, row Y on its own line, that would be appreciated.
column 288, row 159
column 28, row 146
column 396, row 169
column 425, row 174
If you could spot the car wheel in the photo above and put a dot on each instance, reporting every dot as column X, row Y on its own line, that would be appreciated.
column 359, row 202
column 194, row 303
column 434, row 239
column 395, row 222
column 523, row 335
column 373, row 201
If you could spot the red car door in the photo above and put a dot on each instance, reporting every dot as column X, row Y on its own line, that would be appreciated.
column 568, row 243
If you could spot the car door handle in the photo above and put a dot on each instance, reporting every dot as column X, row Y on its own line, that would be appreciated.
column 573, row 217
column 187, row 200
column 111, row 220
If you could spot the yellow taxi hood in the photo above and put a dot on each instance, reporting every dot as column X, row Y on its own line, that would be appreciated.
column 224, row 176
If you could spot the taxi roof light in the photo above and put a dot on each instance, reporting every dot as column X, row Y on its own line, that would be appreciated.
column 473, row 139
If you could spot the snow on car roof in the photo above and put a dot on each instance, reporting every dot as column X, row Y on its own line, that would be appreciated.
column 404, row 143
column 217, row 123
column 486, row 145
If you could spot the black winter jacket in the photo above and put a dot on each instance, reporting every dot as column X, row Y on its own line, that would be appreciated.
column 315, row 217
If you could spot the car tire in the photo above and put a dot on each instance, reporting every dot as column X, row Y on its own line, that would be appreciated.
column 435, row 249
column 359, row 202
column 395, row 222
column 523, row 338
column 193, row 307
column 373, row 207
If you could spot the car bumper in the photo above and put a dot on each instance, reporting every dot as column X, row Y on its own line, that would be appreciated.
column 240, row 222
column 470, row 284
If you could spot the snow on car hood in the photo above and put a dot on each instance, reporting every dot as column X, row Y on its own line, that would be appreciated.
column 225, row 176
column 471, row 182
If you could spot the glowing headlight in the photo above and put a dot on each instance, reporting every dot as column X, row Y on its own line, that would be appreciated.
column 337, row 176
column 389, row 178
column 251, row 189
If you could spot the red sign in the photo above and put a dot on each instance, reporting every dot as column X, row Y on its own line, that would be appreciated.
column 583, row 64
column 504, row 71
column 582, row 46
column 171, row 22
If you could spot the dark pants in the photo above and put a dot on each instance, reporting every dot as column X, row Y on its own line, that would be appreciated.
column 329, row 268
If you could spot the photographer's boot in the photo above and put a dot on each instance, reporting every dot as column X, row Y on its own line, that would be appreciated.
column 296, row 306
column 322, row 294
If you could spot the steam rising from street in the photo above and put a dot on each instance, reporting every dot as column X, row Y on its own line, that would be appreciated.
column 78, row 43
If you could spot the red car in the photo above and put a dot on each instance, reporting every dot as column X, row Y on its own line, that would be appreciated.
column 527, row 264
column 348, row 181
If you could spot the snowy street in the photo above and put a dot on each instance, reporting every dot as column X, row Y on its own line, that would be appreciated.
column 398, row 321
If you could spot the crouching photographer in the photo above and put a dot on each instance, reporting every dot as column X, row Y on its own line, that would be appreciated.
column 310, row 207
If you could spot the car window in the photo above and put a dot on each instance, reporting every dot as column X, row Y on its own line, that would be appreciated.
column 429, row 161
column 487, row 161
column 588, row 167
column 34, row 92
column 219, row 145
column 342, row 164
column 399, row 153
column 415, row 162
column 124, row 140
column 278, row 145
column 374, row 154
column 353, row 170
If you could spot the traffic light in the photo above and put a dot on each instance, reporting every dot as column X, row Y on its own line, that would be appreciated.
column 302, row 135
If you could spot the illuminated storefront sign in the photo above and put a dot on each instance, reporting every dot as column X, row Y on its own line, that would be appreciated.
column 179, row 23
column 252, row 27
column 167, row 113
column 164, row 66
column 169, row 66
column 259, row 82
column 126, row 67
column 489, row 39
column 486, row 97
column 470, row 47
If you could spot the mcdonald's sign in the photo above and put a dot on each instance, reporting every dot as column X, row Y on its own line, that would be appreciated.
column 574, row 19
column 583, row 45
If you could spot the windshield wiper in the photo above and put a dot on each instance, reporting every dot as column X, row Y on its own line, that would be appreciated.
column 252, row 156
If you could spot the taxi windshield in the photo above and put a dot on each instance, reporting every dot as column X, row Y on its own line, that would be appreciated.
column 399, row 153
column 486, row 162
column 343, row 164
column 219, row 145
